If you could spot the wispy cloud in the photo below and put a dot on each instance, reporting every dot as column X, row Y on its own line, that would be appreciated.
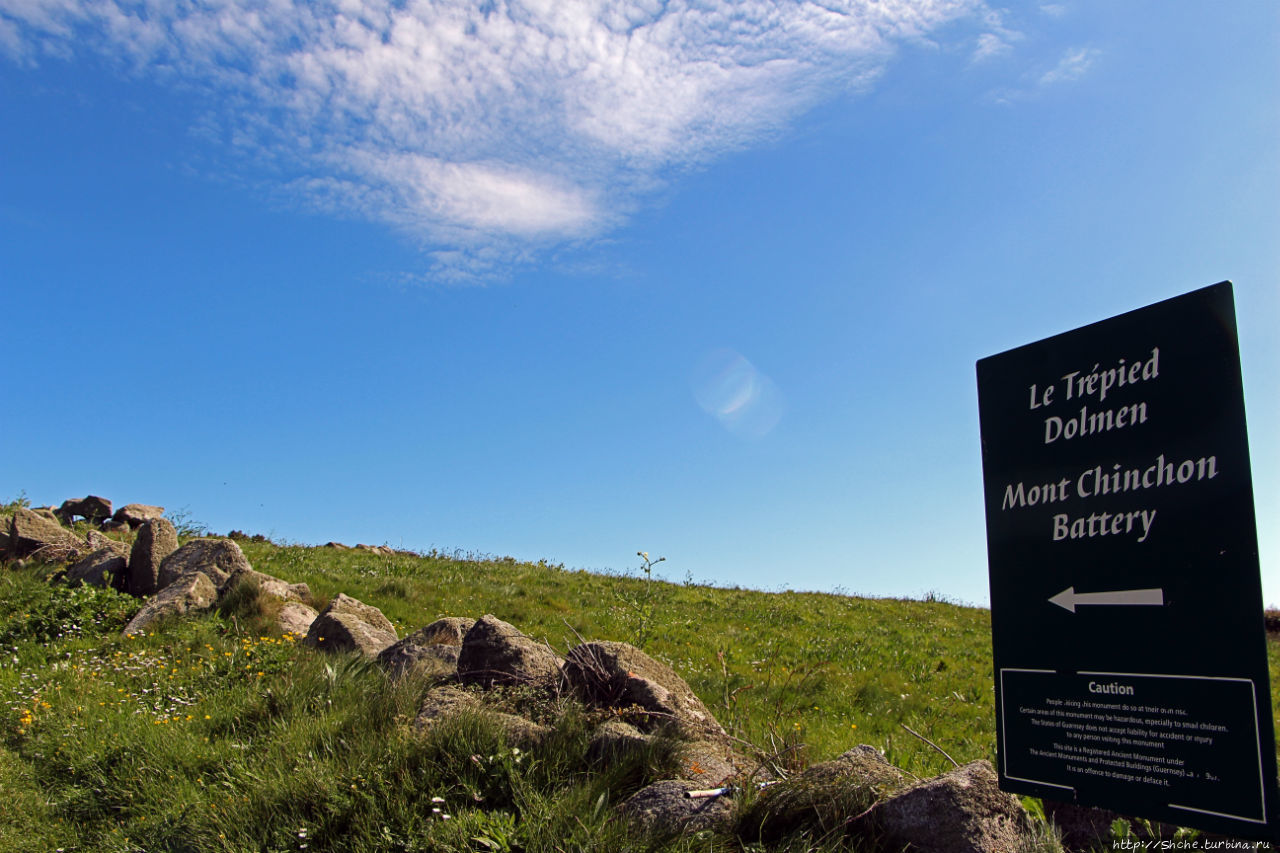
column 1073, row 65
column 487, row 130
column 990, row 45
column 997, row 41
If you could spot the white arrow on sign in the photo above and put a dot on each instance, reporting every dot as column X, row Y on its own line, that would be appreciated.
column 1069, row 598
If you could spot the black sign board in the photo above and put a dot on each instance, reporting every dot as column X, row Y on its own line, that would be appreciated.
column 1126, row 603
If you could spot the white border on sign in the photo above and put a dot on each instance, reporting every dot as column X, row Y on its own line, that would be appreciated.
column 1005, row 752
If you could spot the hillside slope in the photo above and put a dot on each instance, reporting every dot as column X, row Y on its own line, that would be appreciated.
column 220, row 735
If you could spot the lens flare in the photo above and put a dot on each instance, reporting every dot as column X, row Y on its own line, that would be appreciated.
column 729, row 388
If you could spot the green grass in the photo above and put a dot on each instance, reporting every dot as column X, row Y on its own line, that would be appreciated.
column 215, row 735
column 836, row 669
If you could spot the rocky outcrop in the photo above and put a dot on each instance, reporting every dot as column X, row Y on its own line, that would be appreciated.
column 962, row 811
column 380, row 550
column 350, row 625
column 613, row 740
column 193, row 592
column 156, row 540
column 716, row 762
column 449, row 631
column 665, row 808
column 404, row 657
column 494, row 652
column 33, row 535
column 443, row 702
column 618, row 675
column 105, row 567
column 268, row 585
column 92, row 509
column 433, row 650
column 136, row 515
column 217, row 558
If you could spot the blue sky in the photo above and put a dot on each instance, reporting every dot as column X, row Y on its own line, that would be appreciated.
column 570, row 280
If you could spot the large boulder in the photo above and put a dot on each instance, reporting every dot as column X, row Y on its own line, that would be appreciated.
column 962, row 811
column 404, row 657
column 495, row 652
column 104, row 567
column 442, row 702
column 156, row 540
column 91, row 508
column 136, row 515
column 295, row 618
column 49, row 513
column 613, row 740
column 447, row 631
column 348, row 624
column 33, row 535
column 714, row 762
column 618, row 675
column 434, row 649
column 268, row 585
column 665, row 808
column 193, row 592
column 445, row 701
column 217, row 558
column 823, row 798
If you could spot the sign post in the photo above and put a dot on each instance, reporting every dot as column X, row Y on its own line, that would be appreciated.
column 1126, row 602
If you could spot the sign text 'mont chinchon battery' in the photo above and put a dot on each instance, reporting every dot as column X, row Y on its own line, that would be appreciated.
column 1126, row 603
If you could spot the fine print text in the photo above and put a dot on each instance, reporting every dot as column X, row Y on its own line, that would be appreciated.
column 1125, row 741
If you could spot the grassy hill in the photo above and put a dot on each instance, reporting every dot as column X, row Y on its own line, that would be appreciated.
column 216, row 735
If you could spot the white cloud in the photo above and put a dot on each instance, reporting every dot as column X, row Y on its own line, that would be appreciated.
column 491, row 128
column 997, row 41
column 484, row 197
column 10, row 39
column 990, row 46
column 1073, row 65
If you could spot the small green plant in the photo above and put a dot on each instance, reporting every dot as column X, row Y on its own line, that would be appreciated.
column 641, row 607
column 1121, row 830
column 186, row 526
column 496, row 831
column 20, row 502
